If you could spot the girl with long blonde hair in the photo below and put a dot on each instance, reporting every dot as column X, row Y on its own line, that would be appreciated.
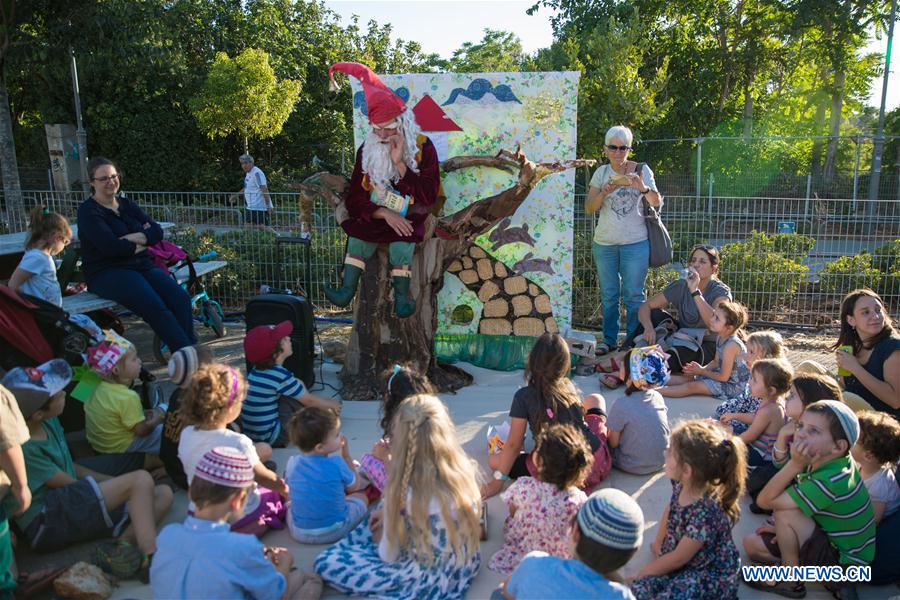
column 424, row 541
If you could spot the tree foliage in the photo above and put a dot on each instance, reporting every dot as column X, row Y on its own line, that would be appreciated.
column 242, row 95
column 745, row 69
column 612, row 89
column 497, row 52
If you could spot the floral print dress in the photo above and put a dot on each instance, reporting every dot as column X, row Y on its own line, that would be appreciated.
column 713, row 572
column 744, row 403
column 541, row 522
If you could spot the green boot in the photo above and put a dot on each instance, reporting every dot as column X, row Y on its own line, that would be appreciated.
column 404, row 305
column 343, row 295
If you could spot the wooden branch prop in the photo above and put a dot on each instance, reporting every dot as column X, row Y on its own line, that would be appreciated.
column 464, row 162
column 475, row 219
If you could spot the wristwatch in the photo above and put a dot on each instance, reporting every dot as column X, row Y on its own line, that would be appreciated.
column 695, row 293
column 647, row 191
column 501, row 476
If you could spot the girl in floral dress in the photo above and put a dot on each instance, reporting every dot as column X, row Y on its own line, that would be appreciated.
column 424, row 540
column 707, row 466
column 541, row 509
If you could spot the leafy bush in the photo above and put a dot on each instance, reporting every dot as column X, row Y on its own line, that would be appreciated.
column 253, row 260
column 849, row 273
column 887, row 258
column 760, row 276
column 789, row 245
column 658, row 278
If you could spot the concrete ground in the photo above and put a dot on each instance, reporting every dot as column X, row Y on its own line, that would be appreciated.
column 473, row 409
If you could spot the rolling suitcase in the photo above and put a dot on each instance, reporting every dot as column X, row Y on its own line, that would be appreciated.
column 271, row 309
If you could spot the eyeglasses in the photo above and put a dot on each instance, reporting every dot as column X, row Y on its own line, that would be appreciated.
column 612, row 148
column 112, row 177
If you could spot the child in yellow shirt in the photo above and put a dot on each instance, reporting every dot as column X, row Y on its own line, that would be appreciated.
column 115, row 420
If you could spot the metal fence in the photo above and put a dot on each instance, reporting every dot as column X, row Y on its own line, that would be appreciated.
column 807, row 254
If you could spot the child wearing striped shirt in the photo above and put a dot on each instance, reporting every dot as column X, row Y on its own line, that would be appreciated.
column 274, row 393
column 823, row 514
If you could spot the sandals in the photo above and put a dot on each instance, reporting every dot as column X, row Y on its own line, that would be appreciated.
column 602, row 349
column 787, row 589
column 36, row 582
column 611, row 381
column 611, row 367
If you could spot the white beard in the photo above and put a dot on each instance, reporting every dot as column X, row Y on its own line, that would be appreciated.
column 376, row 153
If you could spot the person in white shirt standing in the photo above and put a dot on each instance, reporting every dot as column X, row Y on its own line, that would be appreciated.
column 256, row 194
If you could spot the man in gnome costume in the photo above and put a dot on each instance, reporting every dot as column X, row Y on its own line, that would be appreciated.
column 395, row 182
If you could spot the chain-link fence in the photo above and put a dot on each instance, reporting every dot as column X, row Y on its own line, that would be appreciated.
column 789, row 259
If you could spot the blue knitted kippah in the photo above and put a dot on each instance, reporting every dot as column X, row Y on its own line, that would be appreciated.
column 612, row 518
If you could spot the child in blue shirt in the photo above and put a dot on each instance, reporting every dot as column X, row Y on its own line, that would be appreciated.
column 323, row 506
column 274, row 394
column 606, row 533
column 202, row 558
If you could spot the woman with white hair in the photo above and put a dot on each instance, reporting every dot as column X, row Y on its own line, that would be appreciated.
column 621, row 249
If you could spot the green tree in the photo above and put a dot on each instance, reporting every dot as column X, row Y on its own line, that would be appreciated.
column 612, row 89
column 243, row 96
column 497, row 52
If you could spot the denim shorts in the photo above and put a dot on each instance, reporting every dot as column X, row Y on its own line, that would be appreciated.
column 74, row 513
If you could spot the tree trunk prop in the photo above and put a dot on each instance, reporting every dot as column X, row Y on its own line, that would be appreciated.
column 512, row 303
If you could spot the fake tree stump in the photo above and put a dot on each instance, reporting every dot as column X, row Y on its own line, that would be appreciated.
column 513, row 304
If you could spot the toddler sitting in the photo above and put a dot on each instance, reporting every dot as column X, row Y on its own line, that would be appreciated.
column 323, row 507
column 541, row 509
column 115, row 420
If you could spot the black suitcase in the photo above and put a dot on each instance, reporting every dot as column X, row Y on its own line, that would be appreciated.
column 271, row 309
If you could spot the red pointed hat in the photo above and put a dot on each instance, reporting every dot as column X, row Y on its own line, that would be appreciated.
column 383, row 104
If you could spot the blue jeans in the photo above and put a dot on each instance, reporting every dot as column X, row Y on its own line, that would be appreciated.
column 622, row 267
column 153, row 296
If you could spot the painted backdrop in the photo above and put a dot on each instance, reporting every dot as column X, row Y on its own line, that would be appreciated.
column 482, row 113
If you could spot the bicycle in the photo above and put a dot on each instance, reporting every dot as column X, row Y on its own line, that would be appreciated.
column 206, row 310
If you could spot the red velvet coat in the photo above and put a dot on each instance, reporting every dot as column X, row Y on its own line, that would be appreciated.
column 422, row 186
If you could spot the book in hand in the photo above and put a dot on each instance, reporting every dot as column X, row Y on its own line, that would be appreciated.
column 392, row 199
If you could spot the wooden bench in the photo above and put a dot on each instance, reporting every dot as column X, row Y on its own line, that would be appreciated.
column 86, row 301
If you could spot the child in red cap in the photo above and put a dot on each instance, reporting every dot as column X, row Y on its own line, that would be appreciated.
column 274, row 394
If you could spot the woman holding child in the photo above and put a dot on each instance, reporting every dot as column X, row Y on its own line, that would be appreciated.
column 115, row 234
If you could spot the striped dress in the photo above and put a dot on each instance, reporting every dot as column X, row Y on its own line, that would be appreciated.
column 259, row 415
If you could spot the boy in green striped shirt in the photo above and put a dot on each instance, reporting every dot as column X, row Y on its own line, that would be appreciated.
column 823, row 515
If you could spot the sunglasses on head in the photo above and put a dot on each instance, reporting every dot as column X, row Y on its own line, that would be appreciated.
column 612, row 148
column 711, row 250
